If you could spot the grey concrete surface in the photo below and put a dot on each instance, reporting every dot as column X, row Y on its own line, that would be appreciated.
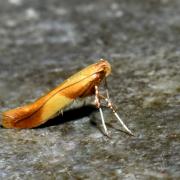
column 43, row 42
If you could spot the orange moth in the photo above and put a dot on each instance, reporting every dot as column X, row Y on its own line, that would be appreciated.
column 82, row 84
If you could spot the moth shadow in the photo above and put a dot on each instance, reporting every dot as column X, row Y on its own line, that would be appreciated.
column 70, row 115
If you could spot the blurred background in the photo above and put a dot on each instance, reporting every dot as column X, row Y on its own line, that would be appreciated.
column 43, row 42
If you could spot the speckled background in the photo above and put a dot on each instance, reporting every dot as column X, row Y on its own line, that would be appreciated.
column 43, row 42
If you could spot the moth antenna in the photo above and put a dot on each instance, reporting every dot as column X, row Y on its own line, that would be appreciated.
column 98, row 105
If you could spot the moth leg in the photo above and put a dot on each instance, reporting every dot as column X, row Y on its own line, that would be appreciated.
column 111, row 106
column 61, row 111
column 98, row 105
column 106, row 88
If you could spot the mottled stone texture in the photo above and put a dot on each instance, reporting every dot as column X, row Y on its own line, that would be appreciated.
column 43, row 42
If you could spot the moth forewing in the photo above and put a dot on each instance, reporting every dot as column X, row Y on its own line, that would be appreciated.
column 82, row 84
column 44, row 108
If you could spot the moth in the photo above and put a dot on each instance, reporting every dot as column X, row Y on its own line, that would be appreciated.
column 80, row 85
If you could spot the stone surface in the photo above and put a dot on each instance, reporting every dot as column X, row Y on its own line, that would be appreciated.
column 43, row 42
